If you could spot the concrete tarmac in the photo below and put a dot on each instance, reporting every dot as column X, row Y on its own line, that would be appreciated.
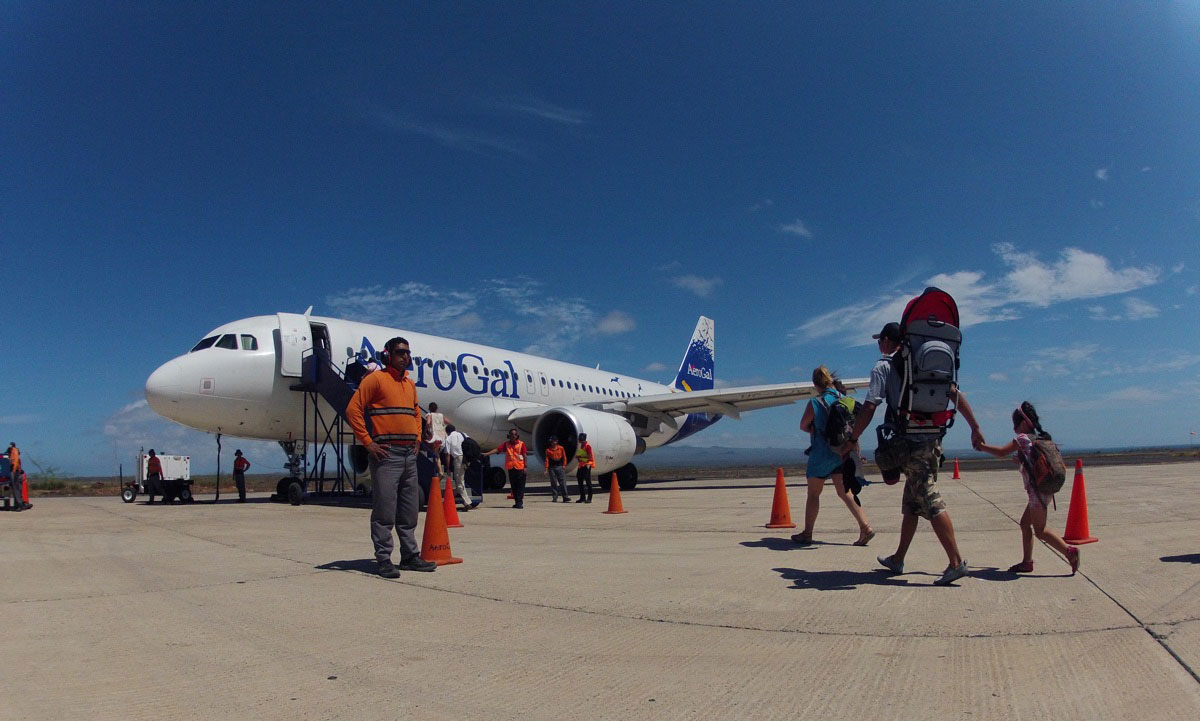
column 684, row 608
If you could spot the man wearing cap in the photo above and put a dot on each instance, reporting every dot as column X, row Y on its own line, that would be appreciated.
column 586, row 461
column 921, row 497
column 556, row 468
column 387, row 399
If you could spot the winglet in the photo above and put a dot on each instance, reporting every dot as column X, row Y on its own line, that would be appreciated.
column 696, row 370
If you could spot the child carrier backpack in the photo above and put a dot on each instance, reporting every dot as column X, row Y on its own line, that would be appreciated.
column 928, row 362
column 839, row 421
column 1045, row 466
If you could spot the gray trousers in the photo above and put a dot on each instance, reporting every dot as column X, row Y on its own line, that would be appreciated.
column 459, row 471
column 558, row 480
column 395, row 497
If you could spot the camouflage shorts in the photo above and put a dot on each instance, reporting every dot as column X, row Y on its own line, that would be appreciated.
column 921, row 496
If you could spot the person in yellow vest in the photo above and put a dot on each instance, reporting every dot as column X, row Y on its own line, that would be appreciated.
column 556, row 468
column 583, row 472
column 514, row 450
column 387, row 401
column 240, row 465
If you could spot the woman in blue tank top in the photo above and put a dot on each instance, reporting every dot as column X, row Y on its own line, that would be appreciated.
column 825, row 463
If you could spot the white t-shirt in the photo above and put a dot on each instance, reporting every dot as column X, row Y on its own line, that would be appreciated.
column 454, row 443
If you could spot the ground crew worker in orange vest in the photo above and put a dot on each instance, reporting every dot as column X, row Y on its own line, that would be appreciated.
column 583, row 473
column 556, row 468
column 387, row 400
column 240, row 464
column 154, row 478
column 18, row 474
column 514, row 450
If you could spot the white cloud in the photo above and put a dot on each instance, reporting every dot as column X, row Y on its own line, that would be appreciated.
column 1096, row 204
column 1192, row 289
column 998, row 377
column 545, row 110
column 506, row 312
column 796, row 228
column 19, row 419
column 1102, row 174
column 656, row 367
column 1177, row 268
column 1134, row 309
column 616, row 322
column 450, row 136
column 761, row 205
column 702, row 287
column 1076, row 274
column 1028, row 283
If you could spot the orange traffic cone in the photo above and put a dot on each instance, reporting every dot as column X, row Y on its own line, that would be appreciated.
column 614, row 497
column 781, row 512
column 1077, row 532
column 435, row 543
column 956, row 476
column 450, row 508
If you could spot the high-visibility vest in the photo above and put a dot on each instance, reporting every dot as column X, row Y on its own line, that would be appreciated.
column 585, row 457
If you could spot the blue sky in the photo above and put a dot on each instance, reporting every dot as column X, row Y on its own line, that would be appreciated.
column 584, row 179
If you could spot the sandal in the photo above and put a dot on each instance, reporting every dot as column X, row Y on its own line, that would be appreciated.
column 1022, row 567
column 1073, row 559
column 865, row 538
column 802, row 539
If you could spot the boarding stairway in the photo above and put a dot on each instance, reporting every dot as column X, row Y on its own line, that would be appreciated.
column 322, row 379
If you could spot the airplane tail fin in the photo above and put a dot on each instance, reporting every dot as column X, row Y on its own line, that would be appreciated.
column 696, row 370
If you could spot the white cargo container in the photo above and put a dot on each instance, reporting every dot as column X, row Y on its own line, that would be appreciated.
column 176, row 483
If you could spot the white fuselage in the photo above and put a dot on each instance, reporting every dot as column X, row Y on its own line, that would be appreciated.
column 245, row 390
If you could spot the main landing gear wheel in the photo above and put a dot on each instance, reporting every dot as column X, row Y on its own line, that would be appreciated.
column 128, row 495
column 496, row 478
column 627, row 477
column 295, row 493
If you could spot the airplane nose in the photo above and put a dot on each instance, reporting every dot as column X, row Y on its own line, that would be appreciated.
column 163, row 386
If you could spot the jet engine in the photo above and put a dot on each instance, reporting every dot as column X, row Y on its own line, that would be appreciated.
column 613, row 441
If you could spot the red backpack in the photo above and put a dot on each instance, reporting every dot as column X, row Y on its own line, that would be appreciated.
column 928, row 362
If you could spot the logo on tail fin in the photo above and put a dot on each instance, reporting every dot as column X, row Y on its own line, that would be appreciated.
column 696, row 370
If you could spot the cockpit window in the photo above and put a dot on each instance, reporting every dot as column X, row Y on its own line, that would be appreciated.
column 206, row 343
column 228, row 341
column 249, row 342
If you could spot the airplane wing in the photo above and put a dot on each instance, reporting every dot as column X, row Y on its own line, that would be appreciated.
column 731, row 401
column 725, row 401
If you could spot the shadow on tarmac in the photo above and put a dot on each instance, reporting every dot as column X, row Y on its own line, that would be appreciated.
column 1184, row 558
column 840, row 580
column 361, row 565
column 775, row 543
column 849, row 580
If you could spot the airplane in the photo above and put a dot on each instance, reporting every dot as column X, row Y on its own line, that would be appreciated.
column 241, row 379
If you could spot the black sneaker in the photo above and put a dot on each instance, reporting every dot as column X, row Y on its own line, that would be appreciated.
column 387, row 570
column 416, row 563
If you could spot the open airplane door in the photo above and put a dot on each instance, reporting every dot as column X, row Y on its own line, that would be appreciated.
column 295, row 337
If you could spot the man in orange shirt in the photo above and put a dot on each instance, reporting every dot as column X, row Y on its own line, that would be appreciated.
column 240, row 464
column 154, row 479
column 514, row 450
column 387, row 399
column 556, row 468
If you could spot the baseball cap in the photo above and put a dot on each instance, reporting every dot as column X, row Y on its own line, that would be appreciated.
column 891, row 331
